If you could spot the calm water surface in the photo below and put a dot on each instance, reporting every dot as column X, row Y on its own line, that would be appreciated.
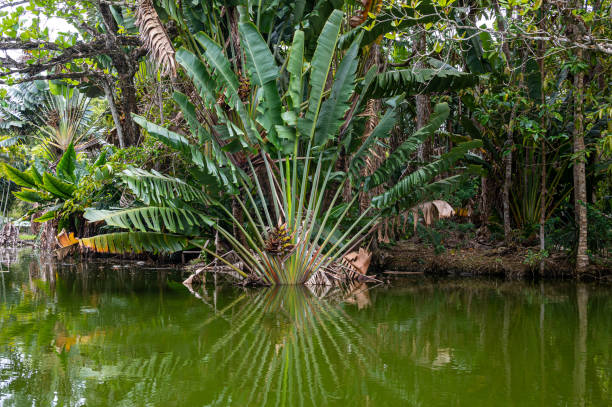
column 92, row 335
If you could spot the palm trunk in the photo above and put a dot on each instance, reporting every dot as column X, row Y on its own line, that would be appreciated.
column 509, row 144
column 580, row 195
column 129, row 105
column 543, row 143
column 543, row 205
column 423, row 105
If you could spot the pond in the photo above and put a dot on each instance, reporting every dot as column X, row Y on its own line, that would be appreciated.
column 99, row 335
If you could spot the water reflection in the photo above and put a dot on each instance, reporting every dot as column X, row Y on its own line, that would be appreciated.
column 90, row 334
column 285, row 345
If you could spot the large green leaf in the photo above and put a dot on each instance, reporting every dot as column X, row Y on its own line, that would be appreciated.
column 336, row 105
column 152, row 218
column 259, row 60
column 135, row 242
column 57, row 187
column 47, row 216
column 198, row 73
column 172, row 139
column 33, row 172
column 224, row 72
column 314, row 22
column 417, row 81
column 218, row 61
column 30, row 195
column 67, row 165
column 400, row 156
column 263, row 70
column 153, row 187
column 295, row 65
column 189, row 112
column 319, row 71
column 18, row 177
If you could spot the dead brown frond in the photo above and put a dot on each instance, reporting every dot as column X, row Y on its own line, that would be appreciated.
column 155, row 38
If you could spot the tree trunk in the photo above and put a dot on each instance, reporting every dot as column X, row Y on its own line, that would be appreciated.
column 423, row 104
column 509, row 135
column 580, row 195
column 108, row 91
column 129, row 105
column 543, row 205
column 543, row 152
column 126, row 66
column 509, row 145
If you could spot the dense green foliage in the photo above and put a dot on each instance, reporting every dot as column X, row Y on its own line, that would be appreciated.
column 323, row 124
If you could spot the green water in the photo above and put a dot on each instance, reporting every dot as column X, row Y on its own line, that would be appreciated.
column 89, row 334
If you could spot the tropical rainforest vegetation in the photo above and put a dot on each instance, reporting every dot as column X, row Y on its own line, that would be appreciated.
column 295, row 132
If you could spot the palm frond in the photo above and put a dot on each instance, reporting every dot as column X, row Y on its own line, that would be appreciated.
column 401, row 155
column 154, row 188
column 135, row 242
column 416, row 81
column 335, row 106
column 198, row 73
column 155, row 38
column 423, row 175
column 382, row 130
column 320, row 67
column 152, row 218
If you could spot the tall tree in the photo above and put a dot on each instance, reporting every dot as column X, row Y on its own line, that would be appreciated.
column 100, row 53
column 580, row 194
column 579, row 169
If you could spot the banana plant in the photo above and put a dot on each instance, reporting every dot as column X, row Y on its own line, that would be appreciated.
column 252, row 126
column 52, row 191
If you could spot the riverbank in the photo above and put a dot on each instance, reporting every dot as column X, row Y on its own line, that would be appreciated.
column 410, row 257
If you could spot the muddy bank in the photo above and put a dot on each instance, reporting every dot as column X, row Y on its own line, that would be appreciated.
column 410, row 257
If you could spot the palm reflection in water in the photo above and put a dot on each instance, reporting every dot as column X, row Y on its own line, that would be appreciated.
column 286, row 346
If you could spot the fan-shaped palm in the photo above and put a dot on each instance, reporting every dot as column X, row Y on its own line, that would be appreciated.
column 290, row 230
column 67, row 119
